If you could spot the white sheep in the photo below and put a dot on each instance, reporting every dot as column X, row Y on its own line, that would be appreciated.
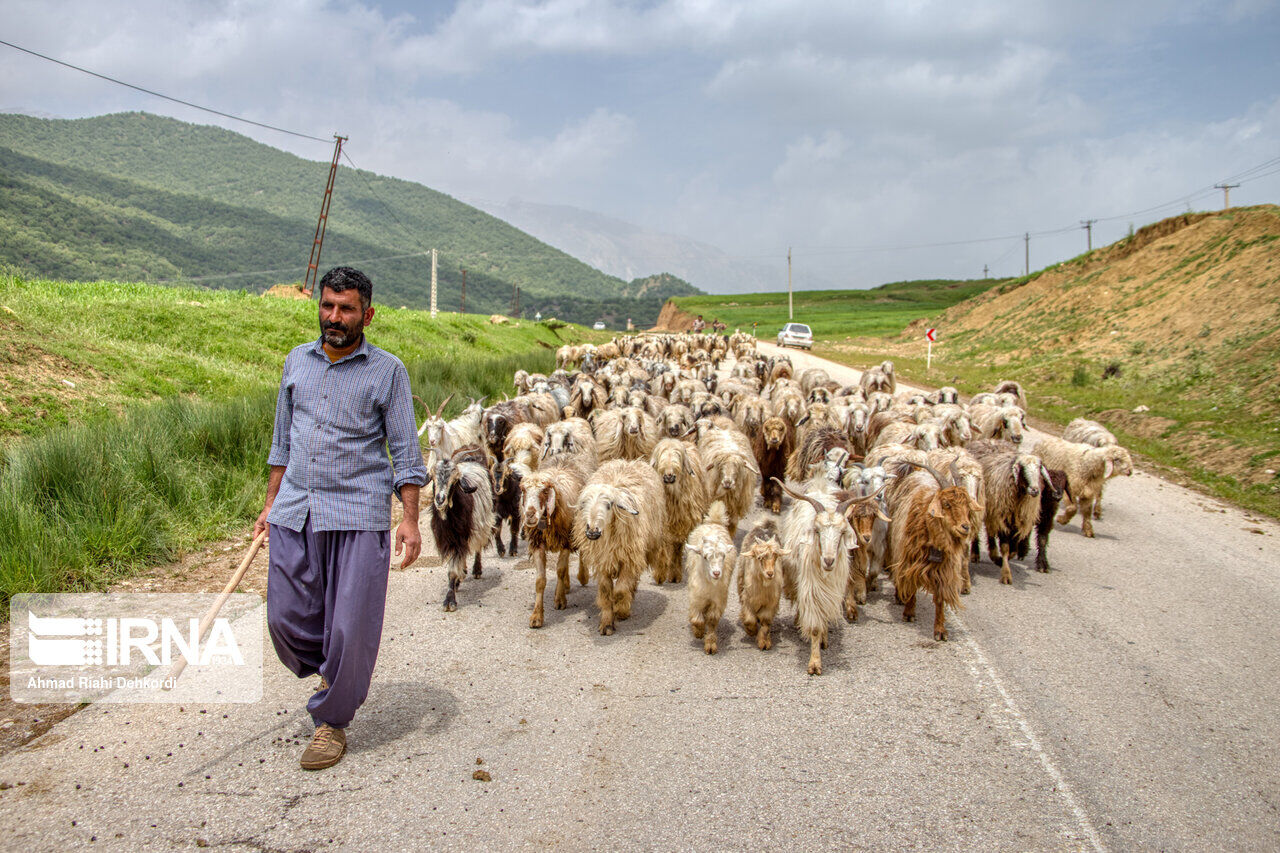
column 709, row 558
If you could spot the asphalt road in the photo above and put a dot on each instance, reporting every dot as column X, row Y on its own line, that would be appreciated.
column 1127, row 700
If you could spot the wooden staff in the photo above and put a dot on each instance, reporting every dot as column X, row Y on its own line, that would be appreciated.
column 207, row 622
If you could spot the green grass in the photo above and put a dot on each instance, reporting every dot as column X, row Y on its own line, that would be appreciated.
column 162, row 444
column 836, row 314
column 119, row 343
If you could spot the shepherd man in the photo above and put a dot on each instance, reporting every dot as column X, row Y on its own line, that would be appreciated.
column 343, row 405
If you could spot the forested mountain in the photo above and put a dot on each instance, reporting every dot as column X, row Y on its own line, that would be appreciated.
column 135, row 196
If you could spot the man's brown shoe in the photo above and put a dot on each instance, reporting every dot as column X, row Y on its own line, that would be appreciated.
column 324, row 685
column 326, row 748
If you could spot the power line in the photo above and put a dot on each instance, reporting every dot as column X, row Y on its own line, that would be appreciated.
column 161, row 95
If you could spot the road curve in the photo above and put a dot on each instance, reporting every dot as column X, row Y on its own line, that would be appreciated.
column 1125, row 700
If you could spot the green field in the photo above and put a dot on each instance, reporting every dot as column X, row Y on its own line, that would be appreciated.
column 836, row 314
column 159, row 443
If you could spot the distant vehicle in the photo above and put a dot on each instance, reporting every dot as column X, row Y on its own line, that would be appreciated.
column 796, row 335
column 599, row 326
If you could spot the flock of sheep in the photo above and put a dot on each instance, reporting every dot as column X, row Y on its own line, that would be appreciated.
column 635, row 456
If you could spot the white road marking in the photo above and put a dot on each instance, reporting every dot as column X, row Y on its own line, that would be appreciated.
column 980, row 667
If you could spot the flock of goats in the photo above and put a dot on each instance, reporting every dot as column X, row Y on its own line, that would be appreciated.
column 635, row 456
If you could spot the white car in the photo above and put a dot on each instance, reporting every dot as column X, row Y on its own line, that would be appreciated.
column 599, row 326
column 796, row 335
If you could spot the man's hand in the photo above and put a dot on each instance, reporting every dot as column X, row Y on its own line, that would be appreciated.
column 261, row 524
column 408, row 540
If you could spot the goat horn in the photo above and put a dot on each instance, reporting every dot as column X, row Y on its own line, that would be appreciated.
column 934, row 471
column 440, row 411
column 423, row 402
column 956, row 476
column 817, row 505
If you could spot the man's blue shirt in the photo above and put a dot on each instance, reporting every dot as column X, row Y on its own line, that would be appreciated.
column 335, row 423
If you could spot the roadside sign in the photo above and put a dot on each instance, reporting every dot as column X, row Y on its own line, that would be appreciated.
column 931, row 334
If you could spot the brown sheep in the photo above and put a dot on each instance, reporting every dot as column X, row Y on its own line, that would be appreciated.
column 680, row 467
column 760, row 581
column 929, row 543
column 772, row 446
column 547, row 500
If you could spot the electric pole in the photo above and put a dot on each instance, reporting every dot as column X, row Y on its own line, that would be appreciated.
column 790, row 313
column 313, row 263
column 1226, row 194
column 433, row 284
column 984, row 271
column 1087, row 225
column 464, row 290
column 1026, row 249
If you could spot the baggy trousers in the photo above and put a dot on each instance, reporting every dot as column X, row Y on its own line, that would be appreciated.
column 326, row 593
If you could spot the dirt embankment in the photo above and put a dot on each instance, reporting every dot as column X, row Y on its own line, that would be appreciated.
column 672, row 319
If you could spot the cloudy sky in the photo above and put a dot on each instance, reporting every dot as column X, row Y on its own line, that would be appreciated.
column 856, row 132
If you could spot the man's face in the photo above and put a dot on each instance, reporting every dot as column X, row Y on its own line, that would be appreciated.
column 342, row 318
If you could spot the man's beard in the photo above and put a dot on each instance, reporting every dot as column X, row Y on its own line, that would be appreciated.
column 339, row 336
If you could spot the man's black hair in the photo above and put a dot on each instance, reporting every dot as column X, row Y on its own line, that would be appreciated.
column 339, row 279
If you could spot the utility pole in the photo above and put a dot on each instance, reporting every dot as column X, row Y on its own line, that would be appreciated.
column 1087, row 225
column 984, row 271
column 313, row 263
column 433, row 284
column 790, row 312
column 1226, row 194
column 1026, row 248
column 517, row 302
column 515, row 299
column 464, row 290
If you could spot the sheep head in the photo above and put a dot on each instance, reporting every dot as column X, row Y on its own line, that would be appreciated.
column 767, row 553
column 599, row 503
column 775, row 432
column 671, row 458
column 537, row 503
column 831, row 531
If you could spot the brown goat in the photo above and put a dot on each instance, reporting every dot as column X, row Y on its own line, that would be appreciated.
column 772, row 445
column 928, row 543
column 547, row 499
column 760, row 581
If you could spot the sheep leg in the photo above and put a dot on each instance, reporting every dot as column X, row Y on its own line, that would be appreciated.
column 476, row 569
column 455, row 581
column 939, row 620
column 966, row 579
column 622, row 595
column 1042, row 555
column 497, row 539
column 582, row 571
column 515, row 535
column 604, row 600
column 661, row 566
column 748, row 617
column 1068, row 512
column 763, row 641
column 815, row 654
column 974, row 550
column 908, row 608
column 1086, row 516
column 1097, row 506
column 855, row 586
column 539, row 588
column 993, row 551
column 677, row 563
column 562, row 580
column 697, row 623
column 1006, row 576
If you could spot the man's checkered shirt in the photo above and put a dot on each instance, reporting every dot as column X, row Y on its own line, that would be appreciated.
column 335, row 423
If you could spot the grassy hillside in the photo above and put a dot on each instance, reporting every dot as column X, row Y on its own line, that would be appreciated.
column 1183, row 318
column 832, row 314
column 75, row 351
column 137, row 196
column 148, row 413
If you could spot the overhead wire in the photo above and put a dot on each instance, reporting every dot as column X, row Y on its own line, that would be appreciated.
column 147, row 91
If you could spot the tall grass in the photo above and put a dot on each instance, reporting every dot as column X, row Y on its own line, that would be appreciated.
column 83, row 505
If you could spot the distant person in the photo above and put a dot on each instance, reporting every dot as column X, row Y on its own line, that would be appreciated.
column 699, row 324
column 753, row 328
column 343, row 403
